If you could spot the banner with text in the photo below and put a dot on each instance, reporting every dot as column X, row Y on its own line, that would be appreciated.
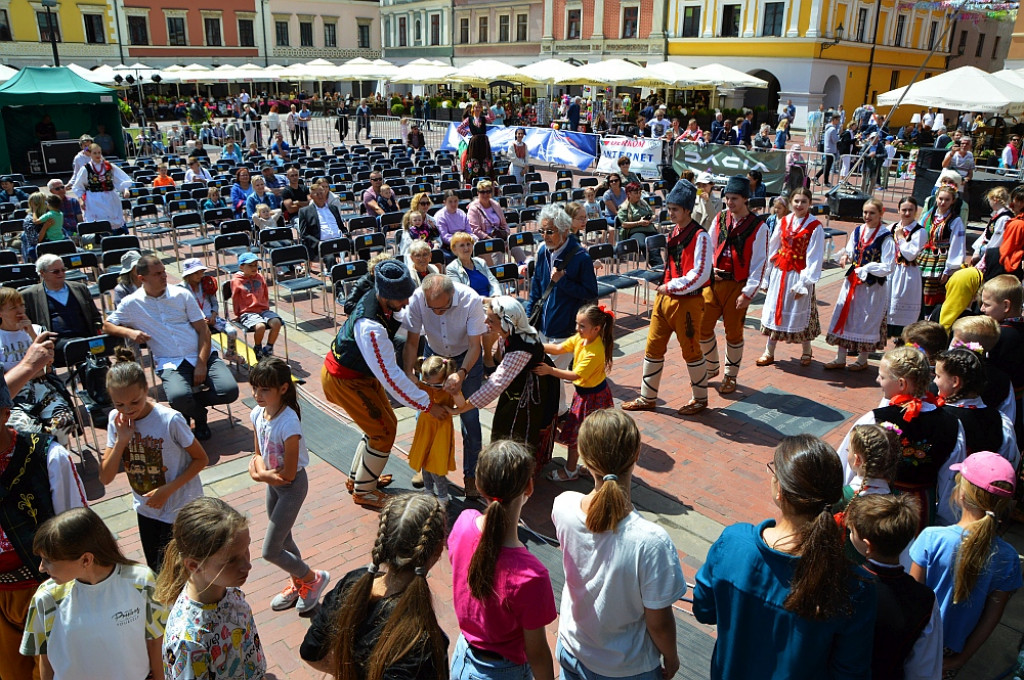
column 731, row 160
column 542, row 144
column 644, row 155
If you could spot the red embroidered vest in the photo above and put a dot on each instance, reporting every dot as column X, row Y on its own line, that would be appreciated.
column 792, row 254
column 738, row 237
column 682, row 250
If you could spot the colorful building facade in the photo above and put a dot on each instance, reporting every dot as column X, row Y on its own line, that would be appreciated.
column 86, row 32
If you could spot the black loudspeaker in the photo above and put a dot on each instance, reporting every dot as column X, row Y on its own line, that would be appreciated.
column 930, row 158
column 847, row 205
column 924, row 184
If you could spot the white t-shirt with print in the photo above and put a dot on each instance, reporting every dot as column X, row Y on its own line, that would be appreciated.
column 610, row 578
column 273, row 433
column 14, row 345
column 96, row 630
column 156, row 456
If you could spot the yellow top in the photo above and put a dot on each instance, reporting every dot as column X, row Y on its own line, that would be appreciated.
column 588, row 360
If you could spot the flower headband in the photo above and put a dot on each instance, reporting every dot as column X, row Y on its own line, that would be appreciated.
column 971, row 346
column 891, row 427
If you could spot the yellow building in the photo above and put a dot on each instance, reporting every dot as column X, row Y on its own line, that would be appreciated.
column 830, row 52
column 86, row 31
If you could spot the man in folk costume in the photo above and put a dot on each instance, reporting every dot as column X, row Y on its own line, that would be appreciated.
column 790, row 311
column 360, row 372
column 739, row 239
column 679, row 305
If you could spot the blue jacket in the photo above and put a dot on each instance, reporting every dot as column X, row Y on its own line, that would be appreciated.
column 576, row 288
column 253, row 200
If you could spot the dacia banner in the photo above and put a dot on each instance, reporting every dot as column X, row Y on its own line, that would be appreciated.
column 644, row 155
column 731, row 160
column 542, row 144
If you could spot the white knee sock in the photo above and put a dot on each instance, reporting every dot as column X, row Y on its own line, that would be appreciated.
column 733, row 357
column 698, row 378
column 367, row 464
column 770, row 346
column 710, row 349
column 651, row 380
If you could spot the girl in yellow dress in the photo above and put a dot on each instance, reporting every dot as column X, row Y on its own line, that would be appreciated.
column 433, row 444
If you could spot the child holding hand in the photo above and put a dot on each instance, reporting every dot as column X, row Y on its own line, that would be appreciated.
column 433, row 445
column 591, row 347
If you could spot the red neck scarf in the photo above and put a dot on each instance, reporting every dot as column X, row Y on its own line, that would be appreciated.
column 912, row 405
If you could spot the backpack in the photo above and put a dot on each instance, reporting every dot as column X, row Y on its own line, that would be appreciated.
column 92, row 373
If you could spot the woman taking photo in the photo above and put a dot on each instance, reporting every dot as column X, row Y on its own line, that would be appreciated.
column 787, row 602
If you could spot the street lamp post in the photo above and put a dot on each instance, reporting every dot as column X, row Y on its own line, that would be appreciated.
column 48, row 4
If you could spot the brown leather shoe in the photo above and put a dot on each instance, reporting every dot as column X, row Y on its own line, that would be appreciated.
column 374, row 499
column 469, row 484
column 765, row 360
column 640, row 404
column 728, row 385
column 417, row 480
column 383, row 481
column 694, row 407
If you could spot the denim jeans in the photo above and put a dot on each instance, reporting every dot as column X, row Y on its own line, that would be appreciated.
column 573, row 669
column 466, row 665
column 472, row 439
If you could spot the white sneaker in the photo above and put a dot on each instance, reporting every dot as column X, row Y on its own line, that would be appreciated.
column 287, row 598
column 309, row 593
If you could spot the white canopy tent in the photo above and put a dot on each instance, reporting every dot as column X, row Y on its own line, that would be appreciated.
column 965, row 89
column 548, row 71
column 422, row 72
column 609, row 72
column 6, row 73
column 484, row 71
column 726, row 77
column 102, row 75
column 676, row 74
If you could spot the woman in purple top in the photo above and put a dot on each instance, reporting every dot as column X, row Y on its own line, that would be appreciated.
column 451, row 219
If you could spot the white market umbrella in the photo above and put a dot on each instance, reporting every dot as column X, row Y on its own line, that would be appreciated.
column 484, row 71
column 384, row 68
column 610, row 72
column 136, row 70
column 197, row 73
column 1011, row 76
column 364, row 69
column 548, row 71
column 726, row 77
column 255, row 72
column 421, row 73
column 6, row 73
column 103, row 75
column 965, row 88
column 678, row 75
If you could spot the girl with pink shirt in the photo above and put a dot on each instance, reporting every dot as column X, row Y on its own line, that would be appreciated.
column 502, row 593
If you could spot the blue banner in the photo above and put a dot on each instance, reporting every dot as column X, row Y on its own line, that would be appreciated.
column 577, row 149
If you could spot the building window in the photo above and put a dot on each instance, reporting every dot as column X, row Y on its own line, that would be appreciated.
column 435, row 29
column 995, row 47
column 305, row 33
column 330, row 35
column 281, row 34
column 211, row 28
column 5, row 26
column 901, row 27
column 94, row 33
column 504, row 24
column 932, row 34
column 521, row 27
column 573, row 24
column 962, row 47
column 731, row 21
column 403, row 39
column 246, row 33
column 464, row 31
column 364, row 36
column 44, row 27
column 176, row 32
column 773, row 14
column 862, row 24
column 481, row 32
column 138, row 31
column 419, row 32
column 894, row 80
column 630, row 22
column 981, row 45
column 691, row 21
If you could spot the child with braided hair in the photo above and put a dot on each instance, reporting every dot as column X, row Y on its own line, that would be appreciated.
column 873, row 454
column 984, row 331
column 379, row 620
column 502, row 593
column 960, row 379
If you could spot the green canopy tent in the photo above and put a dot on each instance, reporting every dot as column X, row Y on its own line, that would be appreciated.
column 74, row 104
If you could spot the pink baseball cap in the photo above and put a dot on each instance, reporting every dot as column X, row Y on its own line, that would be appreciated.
column 983, row 468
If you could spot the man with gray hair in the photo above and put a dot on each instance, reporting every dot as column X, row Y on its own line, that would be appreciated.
column 451, row 317
column 64, row 307
column 563, row 281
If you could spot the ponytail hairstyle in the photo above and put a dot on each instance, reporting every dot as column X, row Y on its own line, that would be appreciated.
column 204, row 526
column 435, row 366
column 604, row 319
column 273, row 372
column 810, row 479
column 975, row 550
column 609, row 443
column 964, row 364
column 911, row 365
column 410, row 538
column 503, row 474
column 73, row 533
column 879, row 447
column 125, row 371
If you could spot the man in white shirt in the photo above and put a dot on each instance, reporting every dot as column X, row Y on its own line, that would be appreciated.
column 196, row 172
column 318, row 222
column 169, row 320
column 659, row 125
column 451, row 317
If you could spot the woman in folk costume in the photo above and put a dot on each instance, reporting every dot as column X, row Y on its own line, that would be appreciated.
column 101, row 184
column 858, row 321
column 943, row 252
column 796, row 250
column 909, row 238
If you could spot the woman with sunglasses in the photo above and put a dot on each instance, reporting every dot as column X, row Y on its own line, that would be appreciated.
column 421, row 203
column 636, row 221
column 614, row 196
column 488, row 220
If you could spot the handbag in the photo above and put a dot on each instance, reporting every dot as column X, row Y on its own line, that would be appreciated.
column 538, row 308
